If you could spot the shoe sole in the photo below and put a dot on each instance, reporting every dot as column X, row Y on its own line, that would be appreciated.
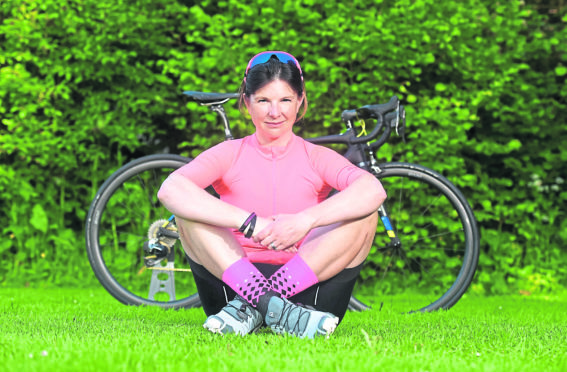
column 214, row 325
column 329, row 326
column 326, row 329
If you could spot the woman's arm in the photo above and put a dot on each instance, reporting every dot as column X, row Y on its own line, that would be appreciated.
column 186, row 200
column 361, row 198
column 183, row 194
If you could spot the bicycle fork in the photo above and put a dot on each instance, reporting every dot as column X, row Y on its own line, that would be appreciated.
column 382, row 212
column 394, row 240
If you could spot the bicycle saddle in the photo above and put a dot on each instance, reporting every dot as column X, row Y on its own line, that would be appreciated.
column 206, row 98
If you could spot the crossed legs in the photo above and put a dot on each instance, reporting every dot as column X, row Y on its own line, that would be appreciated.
column 326, row 250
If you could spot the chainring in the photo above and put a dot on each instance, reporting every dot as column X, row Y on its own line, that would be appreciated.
column 154, row 233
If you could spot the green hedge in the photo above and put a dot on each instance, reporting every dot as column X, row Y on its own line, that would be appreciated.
column 87, row 85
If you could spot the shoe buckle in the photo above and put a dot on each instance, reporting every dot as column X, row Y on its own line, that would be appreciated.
column 242, row 312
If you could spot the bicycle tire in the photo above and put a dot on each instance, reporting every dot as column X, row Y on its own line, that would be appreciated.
column 438, row 256
column 116, row 229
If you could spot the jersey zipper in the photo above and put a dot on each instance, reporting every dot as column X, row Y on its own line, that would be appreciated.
column 274, row 183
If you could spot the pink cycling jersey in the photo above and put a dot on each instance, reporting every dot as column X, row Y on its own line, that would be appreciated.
column 270, row 180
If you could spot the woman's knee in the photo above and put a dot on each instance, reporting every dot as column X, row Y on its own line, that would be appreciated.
column 370, row 224
column 372, row 220
column 365, row 228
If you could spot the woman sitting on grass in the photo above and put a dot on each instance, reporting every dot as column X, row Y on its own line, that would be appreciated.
column 274, row 240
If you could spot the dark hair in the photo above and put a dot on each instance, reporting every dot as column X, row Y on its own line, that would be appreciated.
column 264, row 73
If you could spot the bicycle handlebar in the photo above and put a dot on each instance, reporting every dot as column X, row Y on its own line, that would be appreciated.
column 377, row 112
column 391, row 113
column 371, row 111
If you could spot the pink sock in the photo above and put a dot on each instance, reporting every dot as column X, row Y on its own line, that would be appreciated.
column 245, row 279
column 293, row 277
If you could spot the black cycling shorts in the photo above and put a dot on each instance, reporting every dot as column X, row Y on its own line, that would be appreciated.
column 332, row 295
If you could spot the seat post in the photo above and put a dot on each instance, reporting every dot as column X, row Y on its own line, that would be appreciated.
column 219, row 109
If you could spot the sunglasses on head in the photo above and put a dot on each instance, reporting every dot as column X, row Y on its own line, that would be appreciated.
column 264, row 57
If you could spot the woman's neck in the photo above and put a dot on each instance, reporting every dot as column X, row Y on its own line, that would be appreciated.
column 281, row 141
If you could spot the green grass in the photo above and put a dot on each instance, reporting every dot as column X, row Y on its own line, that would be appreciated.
column 87, row 330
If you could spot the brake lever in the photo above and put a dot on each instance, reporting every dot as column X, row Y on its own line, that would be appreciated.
column 401, row 123
column 397, row 121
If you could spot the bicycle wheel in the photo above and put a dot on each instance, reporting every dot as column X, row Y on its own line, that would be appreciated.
column 433, row 263
column 125, row 225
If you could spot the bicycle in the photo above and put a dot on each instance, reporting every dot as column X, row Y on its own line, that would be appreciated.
column 424, row 256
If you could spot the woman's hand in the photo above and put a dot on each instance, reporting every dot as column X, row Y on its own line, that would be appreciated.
column 283, row 231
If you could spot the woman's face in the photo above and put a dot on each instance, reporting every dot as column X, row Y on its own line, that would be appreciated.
column 273, row 109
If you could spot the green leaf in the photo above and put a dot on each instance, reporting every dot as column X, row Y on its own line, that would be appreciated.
column 440, row 87
column 561, row 71
column 39, row 218
column 514, row 144
column 429, row 58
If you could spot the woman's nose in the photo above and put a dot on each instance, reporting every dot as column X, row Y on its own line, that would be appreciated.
column 274, row 110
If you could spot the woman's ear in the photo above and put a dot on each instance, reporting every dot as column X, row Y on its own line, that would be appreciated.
column 246, row 102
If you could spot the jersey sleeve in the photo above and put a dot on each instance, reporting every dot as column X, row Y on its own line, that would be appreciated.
column 334, row 168
column 210, row 166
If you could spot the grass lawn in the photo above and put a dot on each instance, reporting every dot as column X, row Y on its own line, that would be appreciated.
column 88, row 330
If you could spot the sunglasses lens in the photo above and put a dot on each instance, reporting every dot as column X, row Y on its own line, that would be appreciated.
column 265, row 57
